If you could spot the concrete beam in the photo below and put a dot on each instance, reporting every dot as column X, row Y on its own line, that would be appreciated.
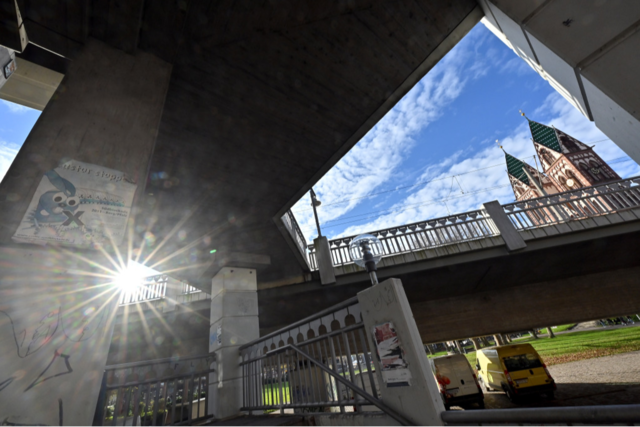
column 520, row 308
column 31, row 85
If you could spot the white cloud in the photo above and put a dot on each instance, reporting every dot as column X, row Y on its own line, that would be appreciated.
column 8, row 152
column 376, row 159
column 468, row 191
column 15, row 108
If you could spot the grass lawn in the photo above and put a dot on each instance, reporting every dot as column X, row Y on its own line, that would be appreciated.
column 574, row 346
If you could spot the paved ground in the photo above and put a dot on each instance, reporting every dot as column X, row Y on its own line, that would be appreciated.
column 611, row 380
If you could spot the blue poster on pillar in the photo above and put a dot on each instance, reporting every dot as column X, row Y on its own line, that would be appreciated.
column 78, row 204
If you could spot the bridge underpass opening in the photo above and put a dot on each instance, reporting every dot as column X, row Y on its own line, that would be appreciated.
column 251, row 132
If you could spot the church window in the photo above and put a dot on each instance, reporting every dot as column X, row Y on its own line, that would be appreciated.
column 546, row 157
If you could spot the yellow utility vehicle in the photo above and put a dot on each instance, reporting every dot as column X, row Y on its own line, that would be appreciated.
column 517, row 369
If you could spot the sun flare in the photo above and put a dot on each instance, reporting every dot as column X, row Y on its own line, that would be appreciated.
column 132, row 276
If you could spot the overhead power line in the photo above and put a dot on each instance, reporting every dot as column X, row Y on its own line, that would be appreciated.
column 369, row 214
column 426, row 182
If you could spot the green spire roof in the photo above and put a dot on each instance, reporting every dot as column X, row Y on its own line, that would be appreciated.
column 545, row 135
column 516, row 167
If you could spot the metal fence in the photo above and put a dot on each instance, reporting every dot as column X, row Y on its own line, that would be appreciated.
column 151, row 288
column 418, row 236
column 582, row 203
column 290, row 223
column 156, row 288
column 160, row 392
column 319, row 364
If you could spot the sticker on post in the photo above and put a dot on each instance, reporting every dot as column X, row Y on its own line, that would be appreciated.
column 394, row 367
column 10, row 68
column 78, row 204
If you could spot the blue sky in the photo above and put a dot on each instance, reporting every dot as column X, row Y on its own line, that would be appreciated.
column 434, row 153
column 421, row 160
column 16, row 122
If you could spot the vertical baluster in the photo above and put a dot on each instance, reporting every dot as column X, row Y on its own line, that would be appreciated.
column 369, row 362
column 136, row 406
column 271, row 380
column 323, row 348
column 360, row 371
column 280, row 391
column 191, row 390
column 344, row 371
column 116, row 407
column 155, row 404
column 292, row 381
column 127, row 402
column 173, row 401
column 333, row 355
column 313, row 374
column 322, row 384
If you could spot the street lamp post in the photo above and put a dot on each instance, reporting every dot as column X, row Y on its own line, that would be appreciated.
column 366, row 251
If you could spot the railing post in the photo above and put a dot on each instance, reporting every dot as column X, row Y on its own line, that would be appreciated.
column 409, row 388
column 234, row 321
column 323, row 259
column 510, row 235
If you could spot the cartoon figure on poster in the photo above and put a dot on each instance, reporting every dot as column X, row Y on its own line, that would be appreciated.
column 394, row 366
column 78, row 204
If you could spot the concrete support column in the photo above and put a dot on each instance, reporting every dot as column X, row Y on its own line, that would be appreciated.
column 551, row 334
column 476, row 344
column 234, row 322
column 412, row 391
column 57, row 304
column 458, row 346
column 498, row 339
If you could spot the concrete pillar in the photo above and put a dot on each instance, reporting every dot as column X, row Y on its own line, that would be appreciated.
column 55, row 332
column 106, row 112
column 498, row 339
column 412, row 390
column 234, row 322
column 534, row 333
column 551, row 334
column 506, row 338
column 55, row 317
column 476, row 343
column 458, row 346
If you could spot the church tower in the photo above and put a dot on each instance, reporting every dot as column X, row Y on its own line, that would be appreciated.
column 567, row 164
column 570, row 163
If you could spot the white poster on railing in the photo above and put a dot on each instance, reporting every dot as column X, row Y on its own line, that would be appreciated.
column 78, row 204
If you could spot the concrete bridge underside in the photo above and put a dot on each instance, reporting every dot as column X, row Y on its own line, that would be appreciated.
column 263, row 99
column 554, row 280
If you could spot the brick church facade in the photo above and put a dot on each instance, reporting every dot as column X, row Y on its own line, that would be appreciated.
column 567, row 164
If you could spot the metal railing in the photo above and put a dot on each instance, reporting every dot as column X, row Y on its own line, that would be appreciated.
column 290, row 223
column 155, row 288
column 581, row 203
column 418, row 236
column 169, row 391
column 319, row 364
column 152, row 288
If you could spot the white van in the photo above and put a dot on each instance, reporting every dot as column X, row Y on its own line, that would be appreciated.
column 457, row 381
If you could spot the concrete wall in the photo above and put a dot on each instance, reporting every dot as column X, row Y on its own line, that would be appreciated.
column 586, row 50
